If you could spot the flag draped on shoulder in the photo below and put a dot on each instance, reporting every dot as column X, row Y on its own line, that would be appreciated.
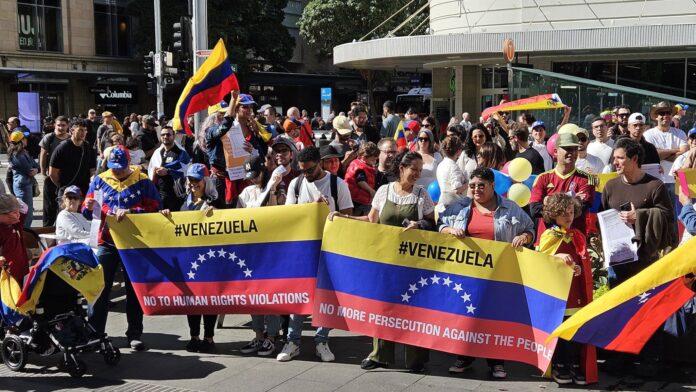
column 211, row 82
column 627, row 316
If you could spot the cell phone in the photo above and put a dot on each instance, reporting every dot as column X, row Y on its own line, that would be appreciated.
column 405, row 223
column 625, row 206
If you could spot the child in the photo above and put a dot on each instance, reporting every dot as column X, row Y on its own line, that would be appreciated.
column 136, row 153
column 572, row 362
column 360, row 177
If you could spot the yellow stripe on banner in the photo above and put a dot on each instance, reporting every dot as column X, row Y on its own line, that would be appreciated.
column 83, row 278
column 603, row 179
column 235, row 226
column 471, row 257
column 690, row 175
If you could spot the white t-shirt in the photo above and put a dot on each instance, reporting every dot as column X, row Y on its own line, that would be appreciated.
column 249, row 197
column 450, row 176
column 311, row 191
column 468, row 165
column 601, row 150
column 674, row 138
column 590, row 164
column 418, row 192
column 541, row 149
column 136, row 156
column 428, row 174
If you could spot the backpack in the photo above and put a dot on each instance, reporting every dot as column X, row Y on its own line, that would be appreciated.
column 334, row 188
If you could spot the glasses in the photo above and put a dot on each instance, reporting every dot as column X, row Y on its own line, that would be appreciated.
column 423, row 139
column 388, row 152
column 426, row 125
column 664, row 114
column 480, row 186
column 309, row 170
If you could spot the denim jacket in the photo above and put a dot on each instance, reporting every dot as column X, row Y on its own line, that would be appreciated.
column 213, row 140
column 509, row 219
column 22, row 164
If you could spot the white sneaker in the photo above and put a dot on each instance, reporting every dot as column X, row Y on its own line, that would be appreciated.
column 499, row 372
column 290, row 351
column 324, row 352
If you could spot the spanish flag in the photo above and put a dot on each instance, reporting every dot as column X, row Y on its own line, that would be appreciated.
column 626, row 317
column 211, row 82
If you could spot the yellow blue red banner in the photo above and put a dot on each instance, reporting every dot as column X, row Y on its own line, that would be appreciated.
column 471, row 297
column 251, row 260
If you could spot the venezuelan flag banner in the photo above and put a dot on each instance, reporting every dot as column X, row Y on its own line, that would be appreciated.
column 399, row 136
column 539, row 102
column 627, row 316
column 211, row 82
column 599, row 188
column 246, row 260
column 9, row 294
column 472, row 297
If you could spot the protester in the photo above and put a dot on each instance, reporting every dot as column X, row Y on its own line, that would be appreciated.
column 360, row 177
column 402, row 203
column 24, row 169
column 330, row 159
column 623, row 112
column 71, row 225
column 490, row 155
column 387, row 152
column 475, row 138
column 363, row 131
column 466, row 121
column 519, row 142
column 215, row 128
column 687, row 160
column 539, row 143
column 586, row 162
column 74, row 161
column 124, row 191
column 343, row 143
column 292, row 131
column 431, row 125
column 390, row 121
column 411, row 130
column 314, row 185
column 136, row 153
column 105, row 127
column 304, row 127
column 670, row 142
column 285, row 154
column 602, row 146
column 486, row 215
column 147, row 135
column 431, row 158
column 12, row 216
column 48, row 144
column 450, row 178
column 111, row 139
column 166, row 169
column 636, row 126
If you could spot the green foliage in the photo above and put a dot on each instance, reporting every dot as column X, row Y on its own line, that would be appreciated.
column 328, row 23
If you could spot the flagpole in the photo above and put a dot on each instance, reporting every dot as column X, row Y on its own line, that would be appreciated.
column 158, row 57
column 200, row 42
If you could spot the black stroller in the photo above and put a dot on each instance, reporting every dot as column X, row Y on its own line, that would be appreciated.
column 54, row 321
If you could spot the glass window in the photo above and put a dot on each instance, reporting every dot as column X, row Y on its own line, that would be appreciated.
column 40, row 25
column 501, row 77
column 600, row 71
column 486, row 77
column 113, row 33
column 663, row 76
column 691, row 78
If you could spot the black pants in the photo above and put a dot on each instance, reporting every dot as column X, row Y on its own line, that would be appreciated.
column 209, row 320
column 221, row 189
column 50, row 203
column 8, row 181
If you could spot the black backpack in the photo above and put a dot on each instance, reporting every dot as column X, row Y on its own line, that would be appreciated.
column 334, row 188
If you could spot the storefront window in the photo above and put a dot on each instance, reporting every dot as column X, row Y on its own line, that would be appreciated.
column 39, row 25
column 664, row 76
column 601, row 71
column 113, row 37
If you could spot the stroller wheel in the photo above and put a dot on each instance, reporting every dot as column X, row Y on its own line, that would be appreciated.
column 76, row 368
column 14, row 352
column 112, row 355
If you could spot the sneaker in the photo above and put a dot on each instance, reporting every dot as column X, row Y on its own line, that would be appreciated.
column 498, row 372
column 290, row 351
column 561, row 375
column 460, row 366
column 578, row 377
column 206, row 346
column 251, row 347
column 267, row 348
column 324, row 352
column 369, row 364
column 192, row 345
column 137, row 345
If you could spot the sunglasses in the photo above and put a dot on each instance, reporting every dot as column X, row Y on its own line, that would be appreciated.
column 309, row 170
column 423, row 139
column 426, row 125
column 479, row 186
column 664, row 114
column 622, row 115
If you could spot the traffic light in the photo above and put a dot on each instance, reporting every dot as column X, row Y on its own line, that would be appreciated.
column 152, row 87
column 149, row 65
column 182, row 38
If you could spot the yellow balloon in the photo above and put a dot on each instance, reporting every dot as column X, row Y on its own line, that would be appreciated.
column 520, row 169
column 520, row 194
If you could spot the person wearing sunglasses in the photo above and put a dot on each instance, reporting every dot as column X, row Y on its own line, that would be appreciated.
column 623, row 112
column 669, row 141
column 431, row 158
column 586, row 162
column 71, row 225
column 636, row 128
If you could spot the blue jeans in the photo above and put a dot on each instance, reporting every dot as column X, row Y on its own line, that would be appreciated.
column 268, row 323
column 110, row 261
column 25, row 192
column 295, row 330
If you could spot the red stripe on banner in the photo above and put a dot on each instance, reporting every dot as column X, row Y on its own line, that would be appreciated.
column 433, row 329
column 650, row 317
column 269, row 296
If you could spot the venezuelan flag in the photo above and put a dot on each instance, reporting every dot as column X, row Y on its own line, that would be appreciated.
column 539, row 102
column 472, row 297
column 400, row 137
column 211, row 82
column 599, row 189
column 9, row 294
column 247, row 260
column 627, row 316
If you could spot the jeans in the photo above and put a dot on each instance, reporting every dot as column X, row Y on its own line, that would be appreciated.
column 268, row 323
column 110, row 261
column 25, row 191
column 295, row 330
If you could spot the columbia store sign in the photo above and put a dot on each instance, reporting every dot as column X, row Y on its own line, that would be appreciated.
column 115, row 94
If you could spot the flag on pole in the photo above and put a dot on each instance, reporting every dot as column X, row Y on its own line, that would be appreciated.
column 211, row 82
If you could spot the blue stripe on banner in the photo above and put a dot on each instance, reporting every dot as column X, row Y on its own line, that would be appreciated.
column 613, row 320
column 465, row 296
column 212, row 79
column 277, row 260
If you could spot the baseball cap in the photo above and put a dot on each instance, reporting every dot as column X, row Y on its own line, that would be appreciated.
column 538, row 123
column 17, row 136
column 263, row 108
column 254, row 166
column 567, row 140
column 283, row 140
column 691, row 132
column 218, row 107
column 197, row 171
column 636, row 118
column 118, row 158
column 342, row 125
column 412, row 125
column 245, row 99
column 72, row 190
column 583, row 131
column 289, row 124
column 107, row 114
column 328, row 151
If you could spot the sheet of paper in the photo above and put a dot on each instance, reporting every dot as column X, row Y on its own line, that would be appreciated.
column 235, row 154
column 617, row 238
column 96, row 219
column 653, row 169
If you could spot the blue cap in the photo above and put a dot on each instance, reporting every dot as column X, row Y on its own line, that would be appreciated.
column 72, row 190
column 197, row 171
column 691, row 132
column 246, row 99
column 118, row 158
column 538, row 123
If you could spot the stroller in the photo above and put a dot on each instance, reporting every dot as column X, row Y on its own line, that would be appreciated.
column 49, row 315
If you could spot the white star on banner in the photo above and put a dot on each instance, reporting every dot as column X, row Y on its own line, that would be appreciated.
column 247, row 273
column 466, row 297
column 643, row 298
column 232, row 256
column 221, row 253
column 470, row 309
column 423, row 282
column 457, row 287
column 194, row 265
column 191, row 275
column 405, row 297
column 201, row 258
column 211, row 254
column 435, row 279
column 412, row 288
column 446, row 281
column 241, row 263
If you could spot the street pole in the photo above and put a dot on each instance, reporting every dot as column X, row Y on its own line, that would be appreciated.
column 158, row 57
column 199, row 27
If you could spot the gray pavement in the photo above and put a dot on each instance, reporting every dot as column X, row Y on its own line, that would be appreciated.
column 166, row 366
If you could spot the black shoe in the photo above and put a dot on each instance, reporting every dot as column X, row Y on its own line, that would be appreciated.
column 192, row 345
column 206, row 346
column 578, row 377
column 646, row 369
column 368, row 364
column 417, row 368
column 561, row 374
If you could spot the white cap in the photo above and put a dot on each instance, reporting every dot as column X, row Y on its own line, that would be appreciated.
column 636, row 118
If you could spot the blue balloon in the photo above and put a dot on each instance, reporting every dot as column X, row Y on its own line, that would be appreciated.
column 503, row 182
column 434, row 191
column 530, row 181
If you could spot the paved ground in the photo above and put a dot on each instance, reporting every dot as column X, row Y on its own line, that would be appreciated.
column 166, row 366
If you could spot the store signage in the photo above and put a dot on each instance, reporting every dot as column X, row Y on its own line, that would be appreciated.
column 115, row 94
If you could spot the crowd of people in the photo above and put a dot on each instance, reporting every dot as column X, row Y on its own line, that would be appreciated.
column 142, row 165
